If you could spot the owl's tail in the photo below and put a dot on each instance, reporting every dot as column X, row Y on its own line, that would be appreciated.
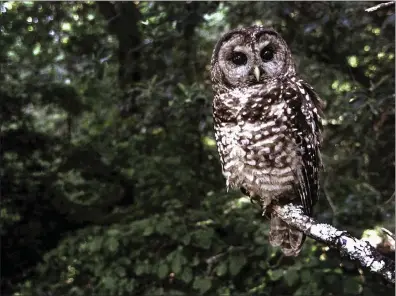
column 289, row 240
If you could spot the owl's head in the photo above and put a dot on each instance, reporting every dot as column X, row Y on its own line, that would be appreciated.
column 249, row 56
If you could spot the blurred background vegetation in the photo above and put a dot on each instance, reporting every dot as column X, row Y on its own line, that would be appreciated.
column 110, row 179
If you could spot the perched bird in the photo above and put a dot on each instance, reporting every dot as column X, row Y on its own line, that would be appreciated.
column 267, row 126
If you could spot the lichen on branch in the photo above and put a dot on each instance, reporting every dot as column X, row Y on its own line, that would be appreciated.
column 355, row 248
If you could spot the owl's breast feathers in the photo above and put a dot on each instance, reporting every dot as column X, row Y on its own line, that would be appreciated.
column 268, row 138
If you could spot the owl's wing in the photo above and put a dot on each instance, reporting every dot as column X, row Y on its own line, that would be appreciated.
column 306, row 128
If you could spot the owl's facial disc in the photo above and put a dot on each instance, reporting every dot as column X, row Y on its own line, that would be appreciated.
column 247, row 61
column 251, row 56
column 236, row 60
column 272, row 55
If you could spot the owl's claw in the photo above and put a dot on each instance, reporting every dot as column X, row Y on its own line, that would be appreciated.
column 264, row 210
column 253, row 198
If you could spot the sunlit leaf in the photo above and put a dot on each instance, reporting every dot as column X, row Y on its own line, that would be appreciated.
column 202, row 284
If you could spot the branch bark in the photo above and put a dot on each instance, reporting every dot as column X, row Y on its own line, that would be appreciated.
column 356, row 249
column 379, row 6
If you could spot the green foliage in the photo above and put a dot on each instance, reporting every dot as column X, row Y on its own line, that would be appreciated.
column 110, row 179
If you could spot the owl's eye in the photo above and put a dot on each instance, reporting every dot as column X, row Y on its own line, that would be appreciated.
column 267, row 54
column 239, row 58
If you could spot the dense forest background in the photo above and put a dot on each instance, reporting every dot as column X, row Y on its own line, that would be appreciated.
column 110, row 179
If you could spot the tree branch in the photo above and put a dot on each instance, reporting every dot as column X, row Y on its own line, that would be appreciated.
column 379, row 6
column 356, row 249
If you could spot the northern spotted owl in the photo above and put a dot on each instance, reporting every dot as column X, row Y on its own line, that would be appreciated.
column 267, row 126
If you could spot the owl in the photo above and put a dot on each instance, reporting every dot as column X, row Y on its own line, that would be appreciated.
column 267, row 126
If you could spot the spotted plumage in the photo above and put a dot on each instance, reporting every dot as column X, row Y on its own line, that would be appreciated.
column 267, row 126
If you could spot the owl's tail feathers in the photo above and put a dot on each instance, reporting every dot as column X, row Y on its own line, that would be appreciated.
column 289, row 240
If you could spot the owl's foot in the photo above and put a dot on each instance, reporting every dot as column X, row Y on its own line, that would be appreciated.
column 253, row 198
column 265, row 209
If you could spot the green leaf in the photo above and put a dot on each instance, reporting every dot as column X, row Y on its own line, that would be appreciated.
column 113, row 232
column 275, row 274
column 178, row 261
column 120, row 271
column 330, row 278
column 130, row 285
column 124, row 261
column 113, row 244
column 301, row 291
column 148, row 230
column 76, row 291
column 291, row 277
column 187, row 275
column 95, row 244
column 183, row 88
column 109, row 282
column 195, row 261
column 140, row 268
column 352, row 286
column 204, row 238
column 170, row 256
column 148, row 268
column 305, row 276
column 163, row 270
column 186, row 239
column 261, row 251
column 221, row 268
column 263, row 265
column 236, row 264
column 164, row 225
column 202, row 284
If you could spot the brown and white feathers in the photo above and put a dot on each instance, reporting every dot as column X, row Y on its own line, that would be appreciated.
column 267, row 126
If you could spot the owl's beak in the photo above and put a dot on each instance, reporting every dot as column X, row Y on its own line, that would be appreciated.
column 256, row 72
